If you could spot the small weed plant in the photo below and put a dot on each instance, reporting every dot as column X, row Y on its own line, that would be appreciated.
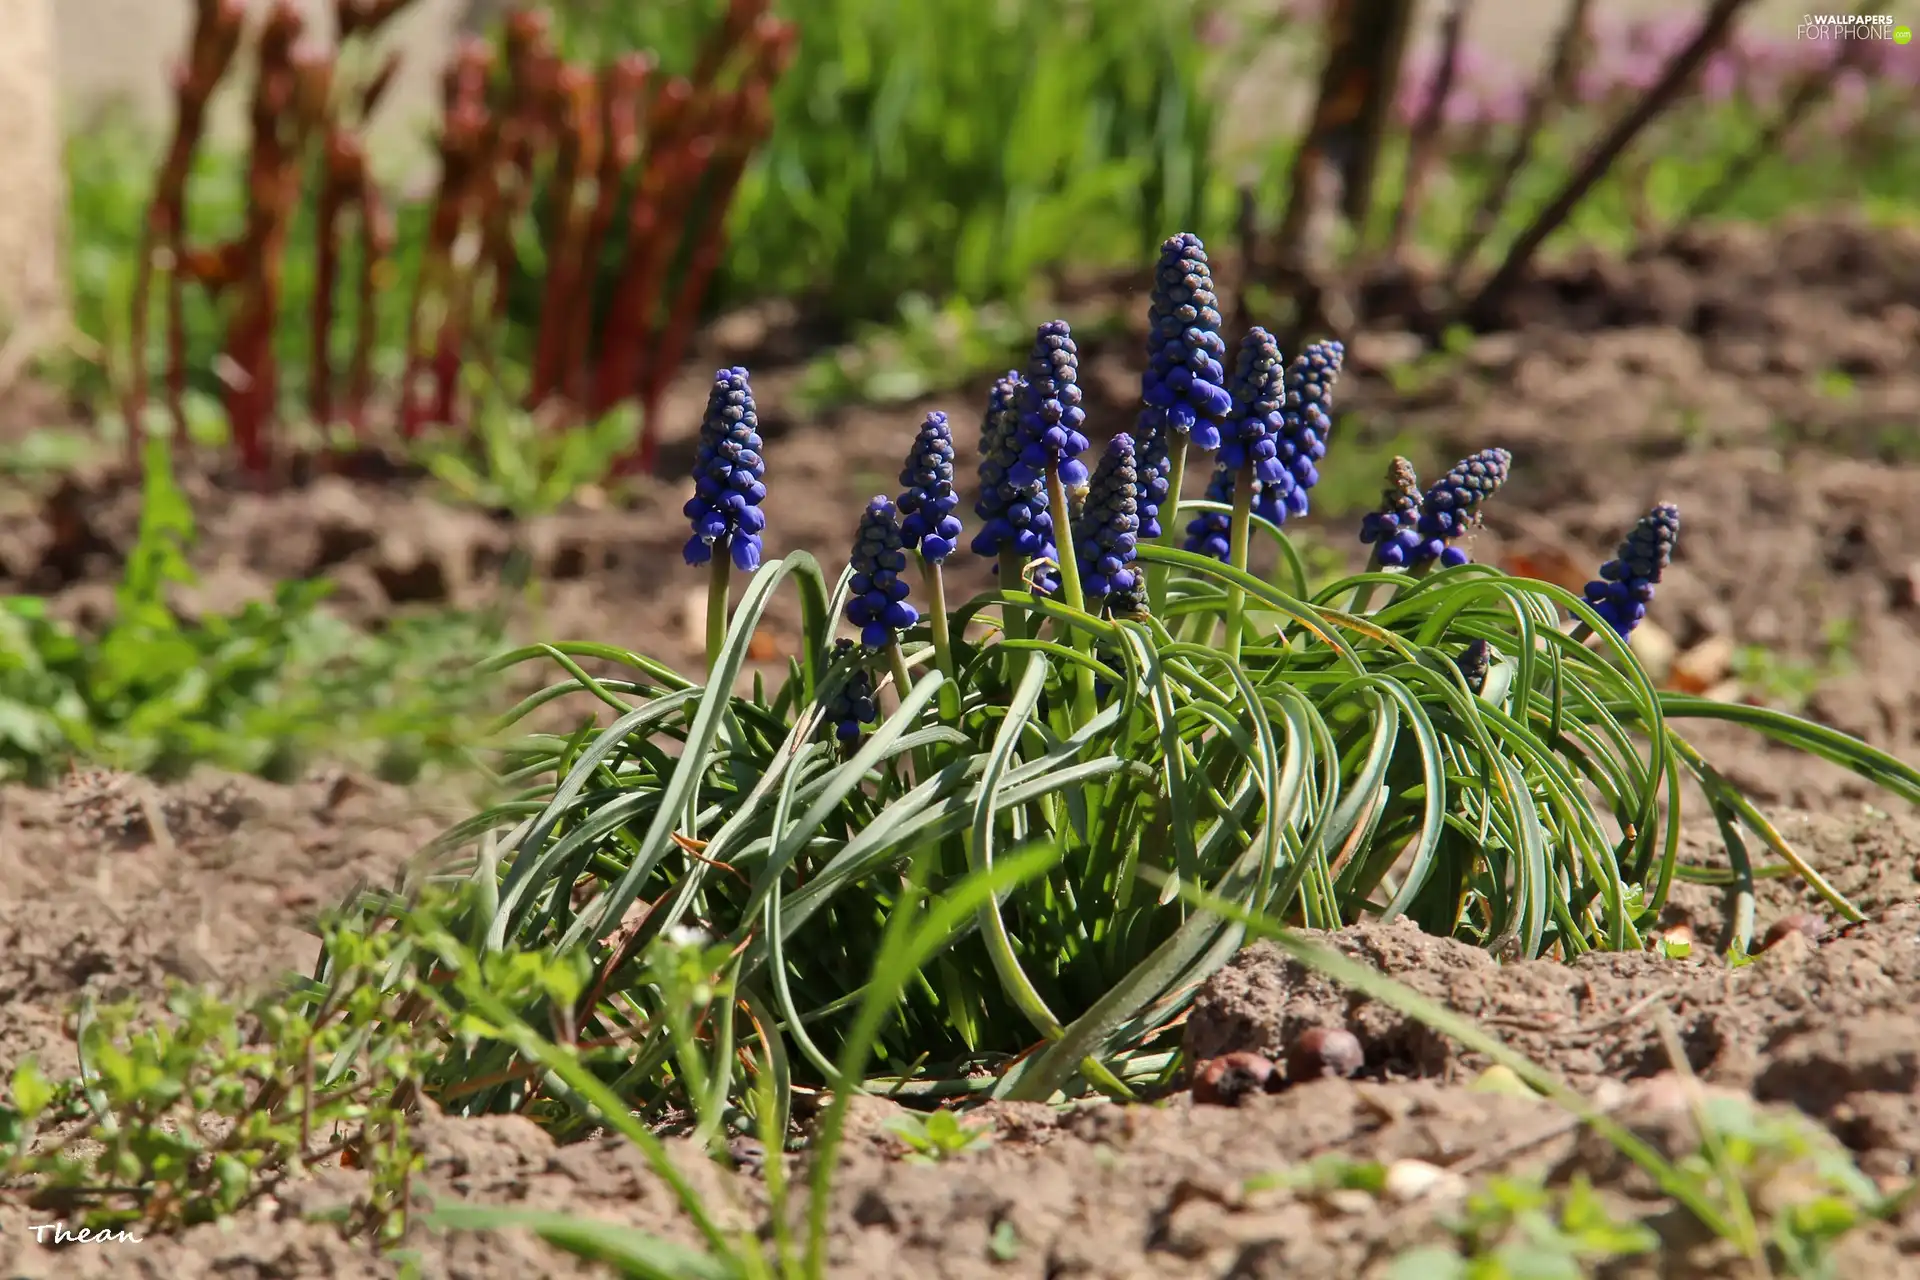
column 937, row 1136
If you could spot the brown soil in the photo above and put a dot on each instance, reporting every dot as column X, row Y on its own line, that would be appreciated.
column 1765, row 383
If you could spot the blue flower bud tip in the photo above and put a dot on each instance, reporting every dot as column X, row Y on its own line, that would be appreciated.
column 1451, row 508
column 1185, row 382
column 928, row 499
column 852, row 708
column 1252, row 434
column 1626, row 583
column 877, row 603
column 1049, row 435
column 1106, row 537
column 729, row 476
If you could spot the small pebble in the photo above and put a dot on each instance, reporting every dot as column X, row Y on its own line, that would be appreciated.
column 1502, row 1080
column 1408, row 1180
column 1324, row 1052
column 1229, row 1078
column 1806, row 924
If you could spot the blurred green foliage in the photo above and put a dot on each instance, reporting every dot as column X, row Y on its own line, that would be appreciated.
column 957, row 146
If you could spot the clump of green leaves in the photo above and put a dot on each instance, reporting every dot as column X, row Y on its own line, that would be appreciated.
column 931, row 347
column 523, row 463
column 1308, row 751
column 255, row 691
column 1516, row 1228
column 937, row 1136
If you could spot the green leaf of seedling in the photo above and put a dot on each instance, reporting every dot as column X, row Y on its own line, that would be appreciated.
column 31, row 1091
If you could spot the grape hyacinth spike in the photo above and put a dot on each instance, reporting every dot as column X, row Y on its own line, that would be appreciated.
column 1185, row 382
column 1107, row 534
column 1626, row 583
column 878, row 602
column 1394, row 529
column 852, row 709
column 729, row 476
column 1251, row 436
column 1450, row 509
column 1013, row 515
column 1050, row 412
column 927, row 500
column 1308, row 419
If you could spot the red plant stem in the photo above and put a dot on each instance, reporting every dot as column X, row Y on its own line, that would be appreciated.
column 527, row 121
column 289, row 97
column 376, row 240
column 341, row 175
column 637, row 291
column 579, row 156
column 460, row 146
column 726, row 40
column 624, row 101
column 215, row 40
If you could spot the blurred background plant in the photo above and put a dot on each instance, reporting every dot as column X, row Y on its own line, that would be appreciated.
column 597, row 190
column 263, row 689
column 910, row 170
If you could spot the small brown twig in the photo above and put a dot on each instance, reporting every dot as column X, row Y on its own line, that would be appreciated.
column 1548, row 91
column 1714, row 28
column 1422, row 145
column 1813, row 89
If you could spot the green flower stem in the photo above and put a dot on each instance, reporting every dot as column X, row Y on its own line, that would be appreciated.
column 1071, row 594
column 1237, row 556
column 942, row 638
column 897, row 663
column 719, row 584
column 902, row 686
column 1169, row 522
column 1363, row 594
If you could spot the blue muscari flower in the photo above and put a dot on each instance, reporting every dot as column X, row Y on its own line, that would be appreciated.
column 928, row 501
column 729, row 476
column 1013, row 515
column 1108, row 529
column 1251, row 437
column 1308, row 420
column 878, row 602
column 1394, row 530
column 1626, row 583
column 852, row 708
column 1155, row 469
column 1050, row 412
column 1184, row 380
column 1451, row 508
